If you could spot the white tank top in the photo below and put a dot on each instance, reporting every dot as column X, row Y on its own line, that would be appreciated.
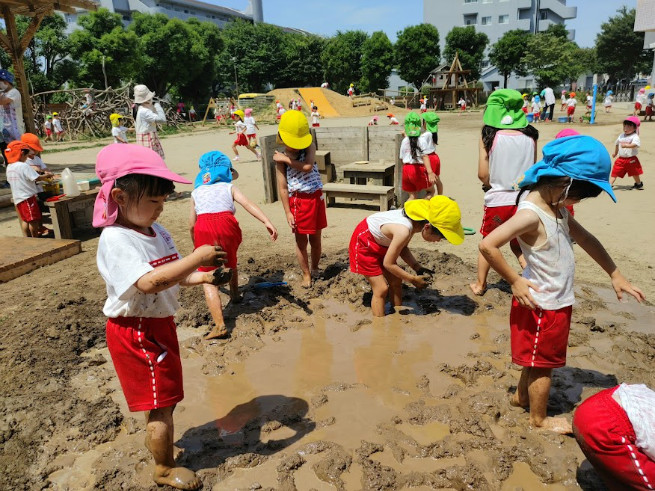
column 511, row 154
column 550, row 265
column 213, row 198
column 376, row 221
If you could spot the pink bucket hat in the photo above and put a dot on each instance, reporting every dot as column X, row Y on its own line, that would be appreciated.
column 118, row 160
column 567, row 132
column 248, row 112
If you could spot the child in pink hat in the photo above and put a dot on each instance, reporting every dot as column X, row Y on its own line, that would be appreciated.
column 142, row 268
column 627, row 147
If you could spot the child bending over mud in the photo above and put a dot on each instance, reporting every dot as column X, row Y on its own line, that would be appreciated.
column 379, row 240
column 142, row 269
column 573, row 168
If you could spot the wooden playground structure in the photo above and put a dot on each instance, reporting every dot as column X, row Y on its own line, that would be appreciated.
column 449, row 85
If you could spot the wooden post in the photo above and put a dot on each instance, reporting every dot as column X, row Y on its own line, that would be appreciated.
column 400, row 199
column 269, row 145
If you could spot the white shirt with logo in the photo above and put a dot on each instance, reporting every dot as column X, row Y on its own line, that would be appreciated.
column 632, row 138
column 22, row 180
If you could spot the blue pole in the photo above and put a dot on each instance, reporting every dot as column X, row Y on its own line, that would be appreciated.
column 593, row 105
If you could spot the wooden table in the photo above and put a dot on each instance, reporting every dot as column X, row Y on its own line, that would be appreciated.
column 61, row 211
column 375, row 173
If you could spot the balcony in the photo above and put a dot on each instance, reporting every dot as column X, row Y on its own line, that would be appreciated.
column 524, row 4
column 559, row 9
column 523, row 24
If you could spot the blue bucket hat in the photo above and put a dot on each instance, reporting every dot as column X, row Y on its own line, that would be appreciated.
column 7, row 76
column 579, row 157
column 214, row 167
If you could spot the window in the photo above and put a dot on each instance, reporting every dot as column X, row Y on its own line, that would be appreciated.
column 503, row 19
column 486, row 21
column 470, row 1
column 543, row 15
column 470, row 19
column 487, row 1
column 485, row 63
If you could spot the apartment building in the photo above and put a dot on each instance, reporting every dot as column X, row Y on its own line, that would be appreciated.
column 495, row 18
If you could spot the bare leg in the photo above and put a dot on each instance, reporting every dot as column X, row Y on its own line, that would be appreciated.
column 317, row 249
column 159, row 441
column 380, row 291
column 395, row 288
column 24, row 228
column 34, row 228
column 429, row 192
column 235, row 296
column 520, row 397
column 213, row 299
column 480, row 285
column 234, row 149
column 539, row 380
column 637, row 179
column 439, row 186
column 412, row 195
column 301, row 253
column 612, row 181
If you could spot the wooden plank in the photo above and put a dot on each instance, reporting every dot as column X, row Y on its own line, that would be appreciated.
column 401, row 196
column 24, row 254
column 337, row 187
column 269, row 145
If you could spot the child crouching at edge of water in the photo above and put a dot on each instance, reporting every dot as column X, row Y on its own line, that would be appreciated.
column 573, row 168
column 140, row 264
column 379, row 240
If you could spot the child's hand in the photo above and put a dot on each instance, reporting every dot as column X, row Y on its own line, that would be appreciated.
column 421, row 282
column 210, row 255
column 521, row 291
column 219, row 276
column 621, row 284
column 424, row 271
column 279, row 157
column 291, row 221
column 432, row 178
column 614, row 155
column 272, row 231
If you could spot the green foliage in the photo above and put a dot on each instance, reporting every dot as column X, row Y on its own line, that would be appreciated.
column 417, row 52
column 559, row 31
column 342, row 59
column 301, row 63
column 377, row 62
column 619, row 49
column 552, row 61
column 507, row 53
column 470, row 45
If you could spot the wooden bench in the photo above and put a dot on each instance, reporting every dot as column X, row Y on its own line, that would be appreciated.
column 334, row 190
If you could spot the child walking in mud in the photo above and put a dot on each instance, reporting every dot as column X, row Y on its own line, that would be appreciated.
column 301, row 191
column 140, row 264
column 379, row 240
column 573, row 168
column 212, row 222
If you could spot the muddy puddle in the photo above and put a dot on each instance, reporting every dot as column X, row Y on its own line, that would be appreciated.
column 415, row 400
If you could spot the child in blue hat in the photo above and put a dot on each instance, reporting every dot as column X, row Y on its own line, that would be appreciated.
column 212, row 222
column 573, row 168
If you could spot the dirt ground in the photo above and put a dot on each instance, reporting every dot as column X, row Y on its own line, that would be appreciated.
column 310, row 392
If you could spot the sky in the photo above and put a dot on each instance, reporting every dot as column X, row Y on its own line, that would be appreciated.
column 327, row 17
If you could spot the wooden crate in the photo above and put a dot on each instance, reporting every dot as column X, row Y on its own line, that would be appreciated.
column 20, row 255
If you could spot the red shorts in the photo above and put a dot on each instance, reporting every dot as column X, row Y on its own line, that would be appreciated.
column 525, row 110
column 570, row 110
column 218, row 229
column 649, row 110
column 494, row 216
column 146, row 357
column 316, row 125
column 28, row 210
column 415, row 177
column 607, row 438
column 241, row 140
column 366, row 255
column 539, row 337
column 638, row 106
column 308, row 211
column 627, row 165
column 463, row 107
column 251, row 136
column 48, row 132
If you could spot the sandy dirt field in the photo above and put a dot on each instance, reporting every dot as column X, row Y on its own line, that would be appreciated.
column 310, row 392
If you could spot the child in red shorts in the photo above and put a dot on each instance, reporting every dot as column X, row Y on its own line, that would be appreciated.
column 616, row 431
column 22, row 179
column 212, row 222
column 241, row 129
column 300, row 190
column 419, row 171
column 379, row 240
column 140, row 264
column 627, row 147
column 573, row 168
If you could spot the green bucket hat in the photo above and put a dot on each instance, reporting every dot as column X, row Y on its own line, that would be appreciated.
column 431, row 121
column 412, row 124
column 505, row 110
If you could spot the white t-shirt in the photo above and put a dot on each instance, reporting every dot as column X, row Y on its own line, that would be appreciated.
column 147, row 119
column 48, row 124
column 119, row 132
column 213, row 198
column 511, row 154
column 536, row 107
column 56, row 122
column 240, row 127
column 22, row 180
column 423, row 147
column 125, row 255
column 571, row 101
column 638, row 402
column 549, row 96
column 563, row 98
column 426, row 144
column 632, row 138
column 589, row 100
column 37, row 162
column 315, row 117
column 393, row 120
column 641, row 99
column 250, row 123
column 608, row 100
column 461, row 103
column 14, row 110
column 377, row 220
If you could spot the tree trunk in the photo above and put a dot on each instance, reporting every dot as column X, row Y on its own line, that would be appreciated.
column 505, row 77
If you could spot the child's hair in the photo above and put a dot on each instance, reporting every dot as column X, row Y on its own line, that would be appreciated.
column 489, row 133
column 413, row 145
column 577, row 189
column 435, row 138
column 630, row 123
column 137, row 186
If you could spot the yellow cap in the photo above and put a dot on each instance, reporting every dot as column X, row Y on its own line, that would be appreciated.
column 294, row 130
column 55, row 114
column 442, row 213
column 240, row 113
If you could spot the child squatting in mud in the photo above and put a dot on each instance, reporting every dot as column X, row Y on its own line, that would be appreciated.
column 140, row 264
column 573, row 168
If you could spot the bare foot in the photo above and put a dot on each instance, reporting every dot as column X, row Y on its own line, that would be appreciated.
column 177, row 477
column 478, row 289
column 515, row 401
column 306, row 281
column 315, row 274
column 558, row 425
column 217, row 333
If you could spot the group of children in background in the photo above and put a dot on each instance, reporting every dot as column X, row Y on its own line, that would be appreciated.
column 52, row 127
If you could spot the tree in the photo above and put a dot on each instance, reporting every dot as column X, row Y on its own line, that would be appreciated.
column 470, row 45
column 551, row 60
column 342, row 59
column 302, row 61
column 377, row 62
column 558, row 30
column 507, row 53
column 417, row 52
column 619, row 49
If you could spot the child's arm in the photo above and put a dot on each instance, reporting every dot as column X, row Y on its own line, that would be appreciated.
column 283, row 159
column 45, row 176
column 192, row 220
column 616, row 150
column 592, row 246
column 522, row 222
column 407, row 256
column 255, row 211
column 283, row 192
column 432, row 177
column 398, row 248
column 483, row 165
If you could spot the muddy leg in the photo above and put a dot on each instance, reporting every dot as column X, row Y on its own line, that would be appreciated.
column 301, row 253
column 213, row 299
column 395, row 288
column 235, row 296
column 520, row 397
column 380, row 291
column 480, row 286
column 539, row 380
column 316, row 245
